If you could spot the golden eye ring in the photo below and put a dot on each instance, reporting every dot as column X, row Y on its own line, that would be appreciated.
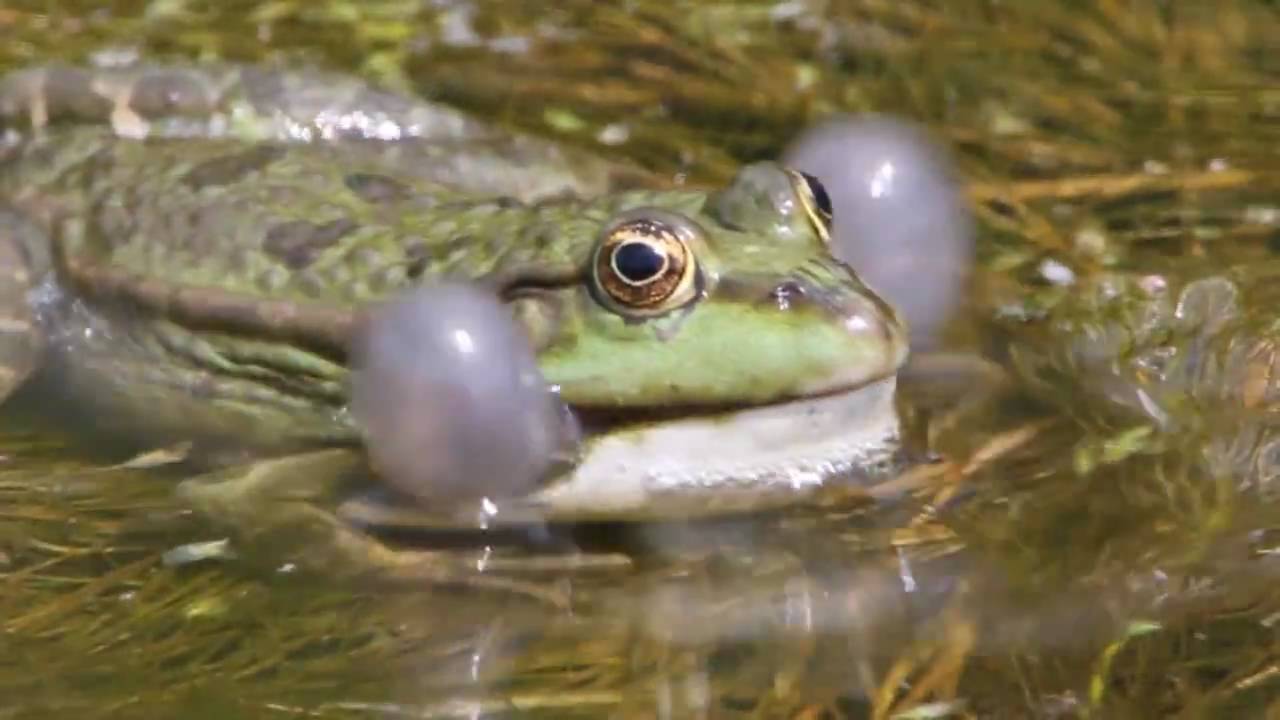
column 644, row 266
column 816, row 202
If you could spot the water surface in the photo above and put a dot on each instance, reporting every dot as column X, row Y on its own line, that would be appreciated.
column 1064, row 560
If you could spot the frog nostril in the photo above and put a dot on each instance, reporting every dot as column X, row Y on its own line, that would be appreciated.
column 787, row 292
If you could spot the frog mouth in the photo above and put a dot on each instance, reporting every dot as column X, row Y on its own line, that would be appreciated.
column 719, row 461
column 736, row 458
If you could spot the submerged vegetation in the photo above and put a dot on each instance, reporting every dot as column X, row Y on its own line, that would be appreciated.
column 1071, row 556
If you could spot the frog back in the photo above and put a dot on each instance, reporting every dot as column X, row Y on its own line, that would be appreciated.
column 275, row 221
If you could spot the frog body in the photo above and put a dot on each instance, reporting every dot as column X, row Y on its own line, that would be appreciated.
column 197, row 248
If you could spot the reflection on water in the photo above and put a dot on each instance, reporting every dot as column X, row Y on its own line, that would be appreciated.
column 840, row 609
column 1071, row 552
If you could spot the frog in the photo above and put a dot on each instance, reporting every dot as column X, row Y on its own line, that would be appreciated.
column 194, row 248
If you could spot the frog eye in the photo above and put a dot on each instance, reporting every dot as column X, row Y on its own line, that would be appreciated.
column 816, row 201
column 645, row 266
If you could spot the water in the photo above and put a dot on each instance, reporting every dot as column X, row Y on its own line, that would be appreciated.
column 1070, row 559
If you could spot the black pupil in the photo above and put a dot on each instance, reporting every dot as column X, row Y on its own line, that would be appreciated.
column 820, row 196
column 638, row 262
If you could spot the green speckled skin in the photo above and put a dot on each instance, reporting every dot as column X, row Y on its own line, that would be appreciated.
column 200, row 265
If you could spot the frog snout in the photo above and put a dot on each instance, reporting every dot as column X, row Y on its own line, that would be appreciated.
column 874, row 323
column 837, row 293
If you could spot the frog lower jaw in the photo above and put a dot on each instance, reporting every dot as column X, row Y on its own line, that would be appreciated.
column 737, row 460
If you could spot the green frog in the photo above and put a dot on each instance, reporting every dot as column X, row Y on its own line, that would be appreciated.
column 193, row 248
